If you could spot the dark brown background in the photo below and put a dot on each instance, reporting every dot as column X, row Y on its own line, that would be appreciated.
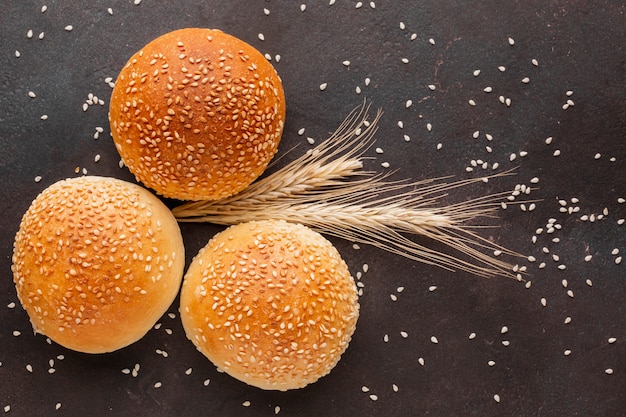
column 579, row 46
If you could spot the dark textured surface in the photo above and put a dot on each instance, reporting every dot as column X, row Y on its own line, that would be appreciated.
column 579, row 47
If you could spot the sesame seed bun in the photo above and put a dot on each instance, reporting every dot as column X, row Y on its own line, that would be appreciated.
column 96, row 262
column 270, row 303
column 197, row 114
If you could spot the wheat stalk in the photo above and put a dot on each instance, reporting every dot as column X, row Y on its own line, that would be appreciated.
column 328, row 190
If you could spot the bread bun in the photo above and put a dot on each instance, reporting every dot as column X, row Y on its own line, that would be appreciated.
column 197, row 114
column 96, row 262
column 270, row 303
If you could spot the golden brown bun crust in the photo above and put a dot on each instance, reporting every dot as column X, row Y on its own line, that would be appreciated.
column 197, row 114
column 271, row 303
column 96, row 262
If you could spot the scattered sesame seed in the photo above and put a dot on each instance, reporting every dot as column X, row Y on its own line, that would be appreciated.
column 7, row 408
column 432, row 288
column 504, row 329
column 405, row 60
column 608, row 371
column 246, row 403
column 136, row 2
column 302, row 7
column 535, row 62
column 525, row 80
column 501, row 68
column 618, row 260
column 556, row 153
column 261, row 36
column 434, row 340
column 408, row 103
column 511, row 41
column 277, row 409
column 69, row 28
column 206, row 382
column 612, row 340
column 358, row 5
column 44, row 117
column 431, row 41
column 323, row 86
column 487, row 89
column 44, row 8
column 476, row 73
column 41, row 35
column 158, row 385
column 373, row 397
column 402, row 26
column 404, row 334
column 544, row 302
column 57, row 406
column 472, row 336
column 386, row 338
column 491, row 363
column 567, row 320
column 472, row 102
column 496, row 398
column 346, row 63
column 394, row 387
column 420, row 360
column 567, row 352
column 110, row 11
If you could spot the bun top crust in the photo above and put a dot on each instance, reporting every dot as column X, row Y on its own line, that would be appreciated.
column 197, row 114
column 271, row 303
column 96, row 262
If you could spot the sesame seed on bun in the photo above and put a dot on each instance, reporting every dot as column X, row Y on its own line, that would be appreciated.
column 96, row 262
column 270, row 303
column 197, row 114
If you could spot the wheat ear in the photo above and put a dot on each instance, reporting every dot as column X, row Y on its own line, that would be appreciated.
column 328, row 190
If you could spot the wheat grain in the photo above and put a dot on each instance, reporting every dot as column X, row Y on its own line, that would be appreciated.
column 328, row 190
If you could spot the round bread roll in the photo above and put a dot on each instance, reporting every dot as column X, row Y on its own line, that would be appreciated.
column 270, row 303
column 96, row 262
column 197, row 114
